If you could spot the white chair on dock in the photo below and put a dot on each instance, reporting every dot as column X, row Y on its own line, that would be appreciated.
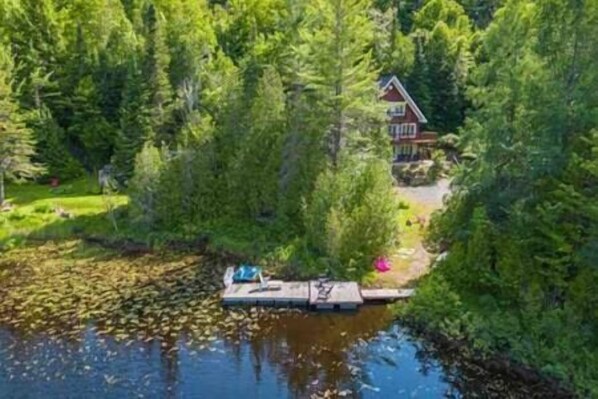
column 228, row 276
column 267, row 284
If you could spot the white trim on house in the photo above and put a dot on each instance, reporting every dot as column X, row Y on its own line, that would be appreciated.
column 397, row 83
column 395, row 130
column 407, row 130
column 397, row 108
column 402, row 130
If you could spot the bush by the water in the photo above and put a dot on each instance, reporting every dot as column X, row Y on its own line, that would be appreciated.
column 351, row 218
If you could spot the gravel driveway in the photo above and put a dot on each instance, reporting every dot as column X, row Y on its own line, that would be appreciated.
column 427, row 195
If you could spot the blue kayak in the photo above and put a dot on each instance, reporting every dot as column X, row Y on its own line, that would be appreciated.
column 246, row 274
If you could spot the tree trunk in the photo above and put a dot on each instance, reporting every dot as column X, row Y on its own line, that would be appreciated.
column 1, row 187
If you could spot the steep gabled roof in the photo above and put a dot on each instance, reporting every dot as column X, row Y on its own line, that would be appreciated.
column 387, row 80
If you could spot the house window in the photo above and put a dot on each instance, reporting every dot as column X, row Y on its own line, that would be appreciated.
column 407, row 130
column 397, row 109
column 394, row 130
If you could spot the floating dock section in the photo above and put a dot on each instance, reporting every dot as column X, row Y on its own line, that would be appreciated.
column 342, row 296
column 386, row 295
column 334, row 295
column 283, row 294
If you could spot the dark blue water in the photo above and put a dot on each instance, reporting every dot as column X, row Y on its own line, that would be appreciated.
column 362, row 355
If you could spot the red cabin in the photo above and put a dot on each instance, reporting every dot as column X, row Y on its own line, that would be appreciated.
column 405, row 123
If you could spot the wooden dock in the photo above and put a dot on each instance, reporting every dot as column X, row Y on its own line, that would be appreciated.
column 333, row 295
column 386, row 295
column 342, row 296
column 284, row 294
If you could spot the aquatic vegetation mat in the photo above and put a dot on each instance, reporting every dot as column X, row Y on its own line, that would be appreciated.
column 59, row 289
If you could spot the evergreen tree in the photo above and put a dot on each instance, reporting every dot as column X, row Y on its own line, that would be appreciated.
column 447, row 104
column 155, row 71
column 88, row 127
column 255, row 174
column 111, row 74
column 36, row 35
column 17, row 146
column 443, row 39
column 51, row 142
column 337, row 35
column 393, row 50
column 135, row 123
column 302, row 149
column 418, row 82
column 521, row 223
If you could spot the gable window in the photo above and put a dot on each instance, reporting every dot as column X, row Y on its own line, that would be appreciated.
column 407, row 130
column 397, row 109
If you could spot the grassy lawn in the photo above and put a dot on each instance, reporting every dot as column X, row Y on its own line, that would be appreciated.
column 34, row 215
column 35, row 206
column 411, row 260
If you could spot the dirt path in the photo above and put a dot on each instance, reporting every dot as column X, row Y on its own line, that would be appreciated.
column 412, row 260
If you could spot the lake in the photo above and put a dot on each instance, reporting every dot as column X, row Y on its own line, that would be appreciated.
column 288, row 354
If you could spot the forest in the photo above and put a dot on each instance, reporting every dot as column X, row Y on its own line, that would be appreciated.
column 261, row 118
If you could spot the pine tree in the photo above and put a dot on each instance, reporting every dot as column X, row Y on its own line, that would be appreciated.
column 418, row 82
column 303, row 153
column 111, row 75
column 135, row 123
column 394, row 52
column 337, row 36
column 257, row 163
column 442, row 34
column 155, row 70
column 51, row 143
column 88, row 127
column 17, row 146
column 36, row 33
column 447, row 110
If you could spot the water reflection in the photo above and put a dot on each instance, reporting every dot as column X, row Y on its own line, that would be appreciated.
column 289, row 355
column 312, row 351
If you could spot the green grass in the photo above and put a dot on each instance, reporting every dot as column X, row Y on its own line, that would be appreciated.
column 34, row 210
column 34, row 215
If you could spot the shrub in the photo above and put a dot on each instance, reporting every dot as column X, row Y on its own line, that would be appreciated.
column 449, row 142
column 144, row 185
column 42, row 208
column 436, row 305
column 16, row 216
column 437, row 167
column 352, row 217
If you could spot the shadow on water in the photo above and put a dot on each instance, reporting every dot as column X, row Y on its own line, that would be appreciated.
column 312, row 351
column 291, row 354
